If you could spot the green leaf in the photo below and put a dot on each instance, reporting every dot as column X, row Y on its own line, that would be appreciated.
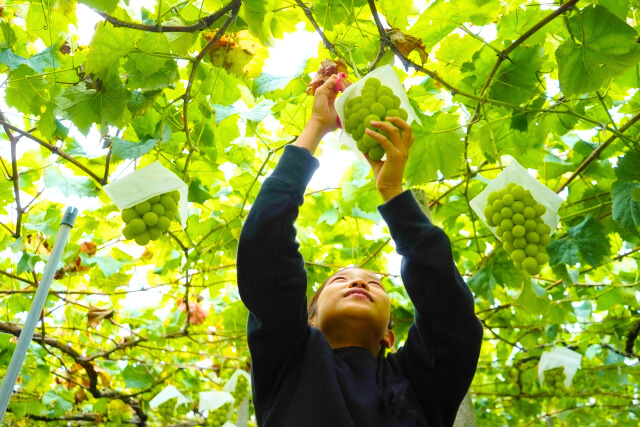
column 605, row 47
column 197, row 192
column 56, row 403
column 87, row 106
column 108, row 45
column 137, row 377
column 255, row 114
column 124, row 149
column 266, row 83
column 330, row 216
column 102, row 5
column 628, row 167
column 516, row 81
column 635, row 194
column 79, row 186
column 160, row 78
column 107, row 264
column 587, row 239
column 498, row 270
column 626, row 211
column 258, row 15
column 438, row 146
column 26, row 91
column 216, row 82
column 533, row 299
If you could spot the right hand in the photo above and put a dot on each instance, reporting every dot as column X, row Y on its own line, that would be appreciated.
column 324, row 112
column 388, row 174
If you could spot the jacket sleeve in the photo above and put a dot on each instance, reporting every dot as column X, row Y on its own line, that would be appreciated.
column 272, row 280
column 442, row 348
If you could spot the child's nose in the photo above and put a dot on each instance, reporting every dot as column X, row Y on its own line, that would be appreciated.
column 358, row 283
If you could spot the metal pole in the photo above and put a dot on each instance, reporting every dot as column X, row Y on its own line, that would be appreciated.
column 9, row 381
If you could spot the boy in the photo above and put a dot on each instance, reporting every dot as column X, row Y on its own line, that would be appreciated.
column 325, row 365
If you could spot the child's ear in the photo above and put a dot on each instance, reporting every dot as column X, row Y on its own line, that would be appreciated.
column 388, row 339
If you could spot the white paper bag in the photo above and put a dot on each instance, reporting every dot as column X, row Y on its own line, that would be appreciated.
column 212, row 400
column 557, row 357
column 515, row 173
column 146, row 182
column 168, row 393
column 387, row 77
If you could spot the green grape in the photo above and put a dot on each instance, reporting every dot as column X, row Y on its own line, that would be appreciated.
column 507, row 236
column 518, row 219
column 396, row 101
column 242, row 389
column 529, row 224
column 530, row 264
column 376, row 152
column 354, row 101
column 367, row 89
column 157, row 209
column 373, row 82
column 540, row 209
column 220, row 416
column 506, row 212
column 163, row 223
column 488, row 214
column 508, row 188
column 492, row 198
column 518, row 231
column 150, row 219
column 128, row 233
column 360, row 131
column 529, row 213
column 168, row 203
column 519, row 242
column 392, row 113
column 542, row 258
column 353, row 121
column 499, row 231
column 165, row 411
column 362, row 113
column 542, row 228
column 403, row 113
column 506, row 224
column 545, row 239
column 385, row 91
column 143, row 238
column 369, row 141
column 531, row 249
column 508, row 246
column 528, row 200
column 518, row 255
column 169, row 214
column 517, row 192
column 370, row 118
column 155, row 233
column 377, row 109
column 532, row 237
column 362, row 147
column 386, row 102
column 498, row 205
column 508, row 199
column 554, row 381
column 155, row 199
column 137, row 225
column 128, row 214
column 517, row 206
column 143, row 207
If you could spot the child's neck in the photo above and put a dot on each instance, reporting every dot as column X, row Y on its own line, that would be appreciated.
column 351, row 335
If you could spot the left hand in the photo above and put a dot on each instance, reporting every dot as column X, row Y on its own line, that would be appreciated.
column 388, row 174
column 324, row 112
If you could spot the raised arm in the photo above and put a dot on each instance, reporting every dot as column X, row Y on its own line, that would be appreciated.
column 272, row 279
column 443, row 345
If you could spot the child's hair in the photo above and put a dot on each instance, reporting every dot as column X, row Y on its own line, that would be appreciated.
column 312, row 308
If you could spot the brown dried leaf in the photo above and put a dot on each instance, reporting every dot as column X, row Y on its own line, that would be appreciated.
column 197, row 314
column 88, row 248
column 327, row 68
column 407, row 43
column 97, row 314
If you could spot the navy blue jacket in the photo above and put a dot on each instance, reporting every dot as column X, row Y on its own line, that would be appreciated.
column 297, row 379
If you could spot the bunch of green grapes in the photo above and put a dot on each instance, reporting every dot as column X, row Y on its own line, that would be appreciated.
column 166, row 411
column 554, row 380
column 518, row 218
column 375, row 104
column 220, row 416
column 147, row 220
column 242, row 389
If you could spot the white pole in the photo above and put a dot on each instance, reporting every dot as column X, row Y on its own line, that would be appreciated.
column 9, row 381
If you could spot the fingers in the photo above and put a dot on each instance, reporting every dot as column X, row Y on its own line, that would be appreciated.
column 328, row 87
column 407, row 132
column 383, row 140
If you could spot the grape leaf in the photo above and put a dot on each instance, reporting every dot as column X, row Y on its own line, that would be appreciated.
column 605, row 46
column 197, row 192
column 635, row 194
column 628, row 167
column 26, row 91
column 255, row 114
column 150, row 54
column 87, row 106
column 108, row 45
column 516, row 80
column 533, row 298
column 124, row 149
column 626, row 211
column 587, row 239
column 38, row 62
column 265, row 82
column 102, row 5
column 160, row 78
column 498, row 270
column 438, row 146
column 217, row 82
column 137, row 376
column 258, row 15
column 80, row 186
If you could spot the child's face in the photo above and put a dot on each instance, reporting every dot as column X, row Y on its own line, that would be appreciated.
column 353, row 294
